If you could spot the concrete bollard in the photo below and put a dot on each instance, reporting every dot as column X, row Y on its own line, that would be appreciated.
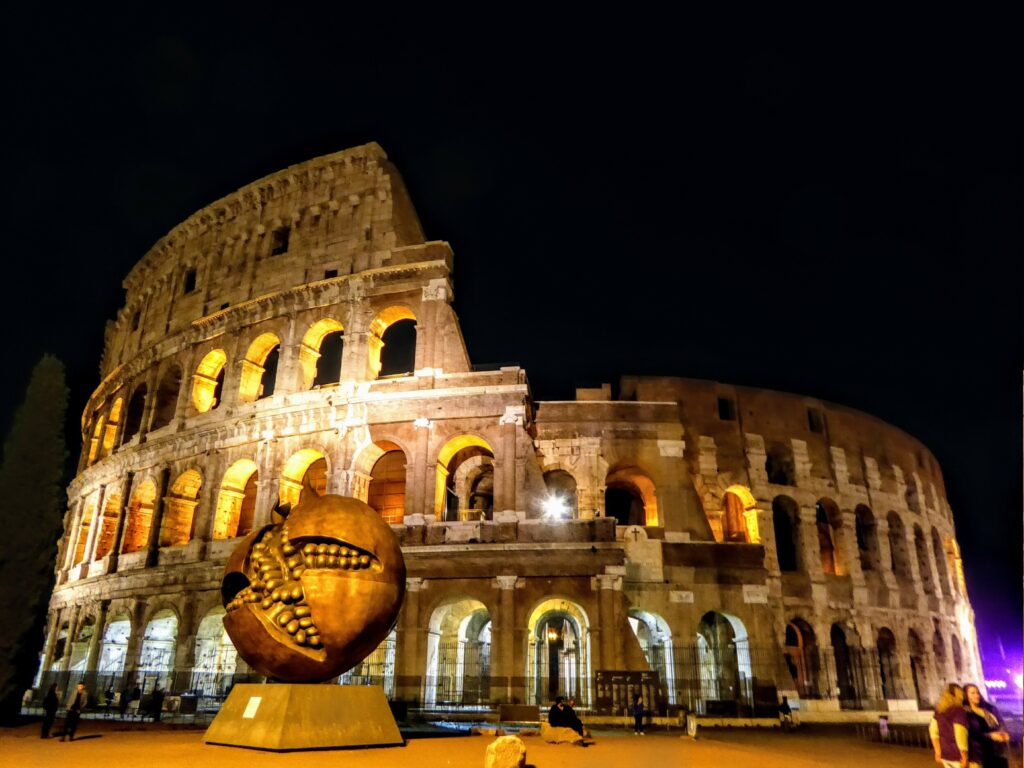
column 505, row 752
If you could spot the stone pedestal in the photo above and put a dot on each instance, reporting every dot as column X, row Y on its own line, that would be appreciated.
column 288, row 717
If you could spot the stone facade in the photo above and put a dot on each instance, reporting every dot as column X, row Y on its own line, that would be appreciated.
column 740, row 543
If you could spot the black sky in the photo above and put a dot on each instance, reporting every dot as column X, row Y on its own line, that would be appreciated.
column 835, row 214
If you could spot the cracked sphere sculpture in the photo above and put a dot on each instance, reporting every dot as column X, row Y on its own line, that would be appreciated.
column 312, row 596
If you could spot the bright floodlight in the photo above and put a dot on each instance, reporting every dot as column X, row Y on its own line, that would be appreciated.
column 554, row 506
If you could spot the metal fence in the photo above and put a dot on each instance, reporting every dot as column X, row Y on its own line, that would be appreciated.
column 461, row 675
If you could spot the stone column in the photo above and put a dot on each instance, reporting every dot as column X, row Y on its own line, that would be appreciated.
column 420, row 463
column 134, row 648
column 157, row 519
column 73, row 616
column 409, row 644
column 505, row 461
column 96, row 525
column 503, row 640
column 185, row 390
column 95, row 646
column 609, row 642
column 807, row 540
column 51, row 640
column 74, row 531
column 122, row 516
column 434, row 294
column 185, row 647
column 206, row 508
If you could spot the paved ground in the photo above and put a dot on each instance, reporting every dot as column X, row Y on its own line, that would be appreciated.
column 103, row 744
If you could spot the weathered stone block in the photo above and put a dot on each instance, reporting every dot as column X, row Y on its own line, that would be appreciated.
column 505, row 752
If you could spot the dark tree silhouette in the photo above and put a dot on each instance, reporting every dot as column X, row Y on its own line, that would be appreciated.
column 32, row 504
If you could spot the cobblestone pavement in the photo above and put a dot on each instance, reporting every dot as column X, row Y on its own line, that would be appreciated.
column 103, row 744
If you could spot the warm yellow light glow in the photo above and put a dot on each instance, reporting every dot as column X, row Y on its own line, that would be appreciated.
column 204, row 382
column 309, row 350
column 450, row 448
column 231, row 498
column 749, row 511
column 294, row 471
column 644, row 485
column 375, row 344
column 180, row 507
column 252, row 366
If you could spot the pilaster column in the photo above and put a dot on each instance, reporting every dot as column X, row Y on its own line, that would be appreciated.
column 185, row 647
column 410, row 644
column 422, row 495
column 73, row 616
column 159, row 504
column 96, row 525
column 202, row 524
column 505, row 463
column 51, row 640
column 609, row 642
column 122, row 516
column 503, row 641
column 74, row 531
column 807, row 540
column 96, row 644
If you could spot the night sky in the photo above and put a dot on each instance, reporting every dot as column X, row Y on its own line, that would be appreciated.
column 837, row 216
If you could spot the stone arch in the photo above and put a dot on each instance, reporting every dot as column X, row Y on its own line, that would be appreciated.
column 940, row 562
column 157, row 653
column 474, row 487
column 655, row 638
column 384, row 322
column 179, row 509
column 923, row 566
column 899, row 558
column 305, row 461
column 315, row 371
column 208, row 381
column 458, row 653
column 140, row 517
column 259, row 368
column 562, row 499
column 887, row 664
column 110, row 430
column 630, row 496
column 386, row 489
column 739, row 518
column 849, row 675
column 114, row 648
column 723, row 651
column 785, row 522
column 167, row 392
column 802, row 659
column 829, row 524
column 236, row 502
column 84, row 525
column 455, row 451
column 912, row 495
column 133, row 417
column 918, row 668
column 96, row 442
column 215, row 656
column 867, row 538
column 81, row 642
column 558, row 657
column 107, row 526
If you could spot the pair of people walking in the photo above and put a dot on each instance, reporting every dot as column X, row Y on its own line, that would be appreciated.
column 967, row 731
column 76, row 703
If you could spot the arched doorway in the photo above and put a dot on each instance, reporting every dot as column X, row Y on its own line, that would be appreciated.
column 457, row 452
column 724, row 668
column 320, row 354
column 918, row 669
column 386, row 492
column 156, row 657
column 140, row 518
column 458, row 655
column 655, row 638
column 216, row 657
column 307, row 462
column 849, row 675
column 558, row 661
column 630, row 497
column 392, row 343
column 179, row 509
column 80, row 648
column 208, row 381
column 107, row 526
column 259, row 368
column 133, row 418
column 802, row 658
column 734, row 518
column 114, row 648
column 236, row 502
column 166, row 398
column 785, row 514
column 867, row 538
column 887, row 668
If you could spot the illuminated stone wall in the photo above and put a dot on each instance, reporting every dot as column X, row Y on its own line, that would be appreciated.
column 617, row 527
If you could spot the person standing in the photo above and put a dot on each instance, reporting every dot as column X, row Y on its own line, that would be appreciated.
column 76, row 703
column 126, row 696
column 986, row 730
column 157, row 703
column 948, row 729
column 638, row 715
column 50, row 704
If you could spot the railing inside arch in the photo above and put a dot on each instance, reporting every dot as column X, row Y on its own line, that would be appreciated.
column 462, row 676
column 376, row 669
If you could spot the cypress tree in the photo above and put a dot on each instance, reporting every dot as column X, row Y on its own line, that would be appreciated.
column 32, row 505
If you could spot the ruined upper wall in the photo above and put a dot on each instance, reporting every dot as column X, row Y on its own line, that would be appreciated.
column 779, row 417
column 335, row 215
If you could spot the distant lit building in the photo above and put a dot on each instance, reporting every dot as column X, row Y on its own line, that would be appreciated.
column 735, row 544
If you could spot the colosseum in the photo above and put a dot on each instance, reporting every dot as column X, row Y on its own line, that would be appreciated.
column 716, row 546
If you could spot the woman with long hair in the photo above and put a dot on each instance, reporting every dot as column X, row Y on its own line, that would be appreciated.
column 986, row 727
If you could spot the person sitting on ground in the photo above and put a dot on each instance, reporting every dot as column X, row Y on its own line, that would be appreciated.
column 573, row 720
column 557, row 716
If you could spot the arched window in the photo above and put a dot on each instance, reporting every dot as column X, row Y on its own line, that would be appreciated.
column 940, row 562
column 826, row 547
column 779, row 465
column 899, row 557
column 208, row 381
column 108, row 526
column 97, row 440
column 179, row 509
column 558, row 656
column 655, row 638
column 259, row 369
column 630, row 497
column 867, row 539
column 140, row 518
column 236, row 502
column 561, row 500
column 913, row 497
column 923, row 566
column 785, row 514
column 133, row 419
column 461, row 460
column 802, row 658
column 83, row 531
column 167, row 397
column 386, row 493
column 306, row 462
column 110, row 431
column 887, row 667
column 392, row 343
column 846, row 673
column 320, row 354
